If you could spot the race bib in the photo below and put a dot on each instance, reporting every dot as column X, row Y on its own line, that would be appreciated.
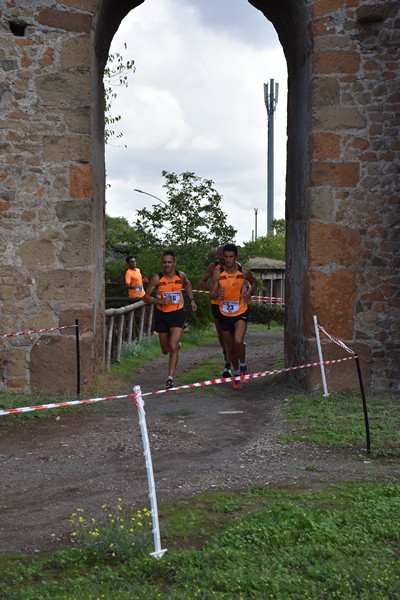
column 175, row 297
column 139, row 288
column 230, row 307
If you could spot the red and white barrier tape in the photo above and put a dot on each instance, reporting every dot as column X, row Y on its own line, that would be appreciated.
column 336, row 340
column 18, row 333
column 273, row 299
column 24, row 409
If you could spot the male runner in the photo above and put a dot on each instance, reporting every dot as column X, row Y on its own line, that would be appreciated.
column 234, row 285
column 134, row 280
column 205, row 284
column 169, row 315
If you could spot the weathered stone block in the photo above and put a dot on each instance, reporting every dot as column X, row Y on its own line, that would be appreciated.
column 325, row 92
column 53, row 364
column 339, row 376
column 337, row 118
column 324, row 146
column 331, row 298
column 84, row 314
column 64, row 19
column 76, row 53
column 77, row 248
column 62, row 149
column 332, row 244
column 341, row 61
column 64, row 285
column 78, row 121
column 66, row 87
column 81, row 185
column 335, row 174
column 37, row 252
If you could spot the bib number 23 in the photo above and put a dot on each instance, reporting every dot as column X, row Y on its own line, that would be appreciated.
column 230, row 307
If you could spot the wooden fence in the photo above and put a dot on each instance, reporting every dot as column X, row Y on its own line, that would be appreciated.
column 126, row 324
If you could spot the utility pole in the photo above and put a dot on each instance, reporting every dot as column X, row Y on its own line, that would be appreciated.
column 271, row 100
column 255, row 223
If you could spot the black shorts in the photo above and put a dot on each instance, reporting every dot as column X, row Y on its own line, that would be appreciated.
column 216, row 313
column 228, row 323
column 164, row 321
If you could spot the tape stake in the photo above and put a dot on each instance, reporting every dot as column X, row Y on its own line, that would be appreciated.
column 138, row 400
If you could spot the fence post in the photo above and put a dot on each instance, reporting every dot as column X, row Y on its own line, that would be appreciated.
column 321, row 360
column 110, row 332
column 118, row 349
column 78, row 359
column 158, row 552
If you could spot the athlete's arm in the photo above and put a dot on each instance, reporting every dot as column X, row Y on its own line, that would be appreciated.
column 214, row 292
column 205, row 283
column 189, row 290
column 149, row 298
column 253, row 284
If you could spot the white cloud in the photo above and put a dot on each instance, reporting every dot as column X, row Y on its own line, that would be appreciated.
column 196, row 104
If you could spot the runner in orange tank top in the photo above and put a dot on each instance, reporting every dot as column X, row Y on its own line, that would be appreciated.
column 169, row 315
column 205, row 284
column 234, row 285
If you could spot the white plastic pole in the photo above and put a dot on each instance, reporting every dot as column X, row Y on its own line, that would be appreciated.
column 158, row 552
column 326, row 393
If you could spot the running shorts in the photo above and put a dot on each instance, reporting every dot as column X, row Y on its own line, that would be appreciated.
column 163, row 321
column 228, row 323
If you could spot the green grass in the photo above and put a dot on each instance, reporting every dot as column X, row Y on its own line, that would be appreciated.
column 338, row 420
column 341, row 543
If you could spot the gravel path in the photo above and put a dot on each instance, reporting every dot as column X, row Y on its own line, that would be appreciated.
column 229, row 440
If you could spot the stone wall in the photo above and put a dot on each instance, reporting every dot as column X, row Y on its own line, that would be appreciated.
column 342, row 207
column 49, row 226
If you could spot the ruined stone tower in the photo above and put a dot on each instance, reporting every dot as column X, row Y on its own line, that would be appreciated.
column 342, row 206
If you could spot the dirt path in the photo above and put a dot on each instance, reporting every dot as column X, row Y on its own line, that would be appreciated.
column 229, row 440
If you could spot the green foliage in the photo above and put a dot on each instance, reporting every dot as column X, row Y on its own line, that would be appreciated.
column 270, row 246
column 115, row 75
column 117, row 538
column 121, row 238
column 337, row 420
column 266, row 543
column 266, row 313
column 191, row 214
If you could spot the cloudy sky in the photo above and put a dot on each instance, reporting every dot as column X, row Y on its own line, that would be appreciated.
column 196, row 103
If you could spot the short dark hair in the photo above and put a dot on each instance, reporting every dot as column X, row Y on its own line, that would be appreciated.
column 169, row 253
column 231, row 248
column 128, row 258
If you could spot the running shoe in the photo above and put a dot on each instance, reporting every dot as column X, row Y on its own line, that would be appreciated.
column 243, row 373
column 227, row 372
column 170, row 383
column 237, row 384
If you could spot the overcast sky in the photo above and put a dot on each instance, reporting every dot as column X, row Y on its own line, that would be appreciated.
column 196, row 103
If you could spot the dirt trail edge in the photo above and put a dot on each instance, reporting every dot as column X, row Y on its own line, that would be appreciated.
column 229, row 440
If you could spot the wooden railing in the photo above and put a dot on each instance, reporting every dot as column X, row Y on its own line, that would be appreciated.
column 126, row 324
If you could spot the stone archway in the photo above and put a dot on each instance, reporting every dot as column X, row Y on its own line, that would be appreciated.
column 342, row 182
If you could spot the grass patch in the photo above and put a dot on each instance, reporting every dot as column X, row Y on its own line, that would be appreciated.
column 338, row 543
column 338, row 420
column 210, row 368
column 182, row 412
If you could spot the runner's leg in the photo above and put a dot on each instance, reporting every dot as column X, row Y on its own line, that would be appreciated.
column 175, row 334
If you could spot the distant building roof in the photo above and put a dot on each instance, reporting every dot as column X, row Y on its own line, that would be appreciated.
column 261, row 262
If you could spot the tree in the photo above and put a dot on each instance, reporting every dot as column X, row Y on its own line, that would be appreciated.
column 270, row 245
column 121, row 238
column 191, row 214
column 115, row 75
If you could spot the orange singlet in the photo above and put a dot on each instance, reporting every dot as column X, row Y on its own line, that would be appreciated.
column 173, row 289
column 232, row 303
